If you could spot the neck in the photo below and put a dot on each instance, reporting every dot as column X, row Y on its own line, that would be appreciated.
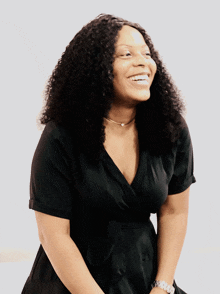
column 121, row 114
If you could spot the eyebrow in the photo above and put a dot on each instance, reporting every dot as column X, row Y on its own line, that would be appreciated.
column 131, row 45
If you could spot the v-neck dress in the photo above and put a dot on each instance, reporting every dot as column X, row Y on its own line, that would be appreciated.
column 109, row 218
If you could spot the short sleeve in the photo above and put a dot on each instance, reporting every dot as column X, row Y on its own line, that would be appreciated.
column 183, row 174
column 51, row 178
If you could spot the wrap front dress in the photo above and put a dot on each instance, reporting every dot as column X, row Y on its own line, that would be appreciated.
column 109, row 219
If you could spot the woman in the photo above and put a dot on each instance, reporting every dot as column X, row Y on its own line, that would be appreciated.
column 114, row 150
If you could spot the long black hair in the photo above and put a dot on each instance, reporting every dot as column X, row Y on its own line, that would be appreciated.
column 80, row 91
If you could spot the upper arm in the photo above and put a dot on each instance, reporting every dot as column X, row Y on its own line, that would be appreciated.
column 183, row 169
column 176, row 204
column 51, row 183
column 50, row 226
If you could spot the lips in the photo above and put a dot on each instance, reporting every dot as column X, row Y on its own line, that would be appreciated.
column 140, row 78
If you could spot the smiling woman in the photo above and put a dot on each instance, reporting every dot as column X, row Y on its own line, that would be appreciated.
column 114, row 150
column 134, row 69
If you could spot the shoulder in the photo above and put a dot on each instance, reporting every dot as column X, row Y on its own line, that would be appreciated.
column 184, row 138
column 54, row 131
column 57, row 133
column 56, row 139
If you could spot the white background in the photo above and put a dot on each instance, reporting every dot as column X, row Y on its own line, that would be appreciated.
column 33, row 36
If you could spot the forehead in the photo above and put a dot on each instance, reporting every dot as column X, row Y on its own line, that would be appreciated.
column 130, row 36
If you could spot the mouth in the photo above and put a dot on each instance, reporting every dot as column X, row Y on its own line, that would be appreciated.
column 140, row 79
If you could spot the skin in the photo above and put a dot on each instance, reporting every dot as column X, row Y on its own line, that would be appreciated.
column 121, row 143
column 132, row 57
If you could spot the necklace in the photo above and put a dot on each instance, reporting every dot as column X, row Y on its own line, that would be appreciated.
column 121, row 124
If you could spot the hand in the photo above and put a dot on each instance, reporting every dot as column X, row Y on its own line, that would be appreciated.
column 157, row 290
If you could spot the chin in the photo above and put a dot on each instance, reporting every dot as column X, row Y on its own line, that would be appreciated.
column 133, row 99
column 137, row 100
column 143, row 97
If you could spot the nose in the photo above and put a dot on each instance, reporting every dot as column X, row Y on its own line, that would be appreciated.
column 140, row 60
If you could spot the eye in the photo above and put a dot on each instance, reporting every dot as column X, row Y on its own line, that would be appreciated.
column 147, row 54
column 125, row 54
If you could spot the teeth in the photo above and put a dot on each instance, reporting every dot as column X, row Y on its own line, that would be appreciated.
column 140, row 78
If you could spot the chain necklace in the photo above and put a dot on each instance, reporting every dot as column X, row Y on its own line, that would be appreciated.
column 121, row 124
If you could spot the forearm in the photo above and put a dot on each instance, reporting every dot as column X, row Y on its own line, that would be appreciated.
column 69, row 265
column 171, row 235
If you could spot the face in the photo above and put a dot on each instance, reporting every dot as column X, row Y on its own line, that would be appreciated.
column 133, row 67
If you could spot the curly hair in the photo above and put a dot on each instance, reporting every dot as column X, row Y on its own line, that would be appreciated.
column 79, row 93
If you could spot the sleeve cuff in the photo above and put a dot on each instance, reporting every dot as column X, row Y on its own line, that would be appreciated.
column 181, row 188
column 35, row 205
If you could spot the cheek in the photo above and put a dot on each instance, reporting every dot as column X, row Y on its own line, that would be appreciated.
column 118, row 79
column 120, row 70
column 153, row 66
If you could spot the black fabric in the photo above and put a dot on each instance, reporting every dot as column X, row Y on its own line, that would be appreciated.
column 109, row 219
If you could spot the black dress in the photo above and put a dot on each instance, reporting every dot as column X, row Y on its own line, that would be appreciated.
column 109, row 219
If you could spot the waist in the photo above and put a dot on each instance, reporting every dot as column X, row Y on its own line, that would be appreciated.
column 116, row 228
column 128, row 218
